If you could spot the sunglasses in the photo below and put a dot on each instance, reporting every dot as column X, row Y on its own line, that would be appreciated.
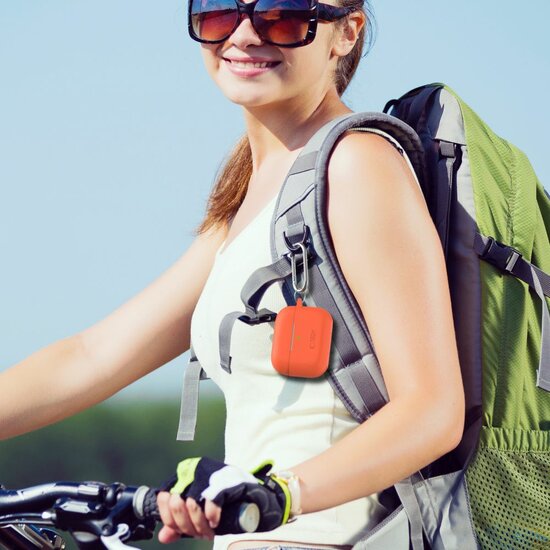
column 285, row 23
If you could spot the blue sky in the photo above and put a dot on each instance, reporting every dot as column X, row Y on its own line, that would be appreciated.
column 111, row 133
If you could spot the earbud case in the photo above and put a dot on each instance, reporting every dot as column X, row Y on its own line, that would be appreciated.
column 301, row 341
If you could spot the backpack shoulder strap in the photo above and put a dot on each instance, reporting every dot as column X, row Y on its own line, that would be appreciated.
column 301, row 214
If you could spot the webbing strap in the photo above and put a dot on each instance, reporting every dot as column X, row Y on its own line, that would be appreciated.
column 528, row 272
column 189, row 399
column 226, row 330
column 260, row 280
column 406, row 494
column 446, row 167
column 543, row 372
column 367, row 385
column 251, row 294
column 509, row 260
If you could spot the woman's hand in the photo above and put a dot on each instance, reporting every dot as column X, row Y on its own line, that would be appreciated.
column 203, row 486
column 185, row 517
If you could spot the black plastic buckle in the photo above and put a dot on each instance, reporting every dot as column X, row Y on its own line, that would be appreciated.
column 295, row 247
column 263, row 316
column 502, row 256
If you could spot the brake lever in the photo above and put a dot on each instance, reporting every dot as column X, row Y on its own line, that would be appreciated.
column 114, row 541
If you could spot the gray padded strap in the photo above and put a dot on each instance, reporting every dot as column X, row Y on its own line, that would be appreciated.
column 543, row 372
column 348, row 357
column 350, row 370
column 360, row 387
column 405, row 491
column 402, row 132
column 303, row 163
column 367, row 380
column 190, row 399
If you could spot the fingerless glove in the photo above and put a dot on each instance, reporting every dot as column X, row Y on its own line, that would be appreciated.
column 206, row 478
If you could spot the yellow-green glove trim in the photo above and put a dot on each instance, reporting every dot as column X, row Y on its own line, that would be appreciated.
column 263, row 465
column 186, row 475
column 288, row 504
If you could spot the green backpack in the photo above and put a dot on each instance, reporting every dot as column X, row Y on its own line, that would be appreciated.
column 506, row 364
column 493, row 218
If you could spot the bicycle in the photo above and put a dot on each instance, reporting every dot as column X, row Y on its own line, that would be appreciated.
column 97, row 515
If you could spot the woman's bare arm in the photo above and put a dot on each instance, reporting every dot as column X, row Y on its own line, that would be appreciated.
column 144, row 333
column 392, row 259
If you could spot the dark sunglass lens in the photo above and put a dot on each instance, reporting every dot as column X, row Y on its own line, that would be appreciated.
column 213, row 19
column 283, row 21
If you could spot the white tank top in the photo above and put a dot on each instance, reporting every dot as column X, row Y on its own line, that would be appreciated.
column 270, row 416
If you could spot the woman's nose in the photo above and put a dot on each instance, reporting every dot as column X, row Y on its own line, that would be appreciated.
column 245, row 34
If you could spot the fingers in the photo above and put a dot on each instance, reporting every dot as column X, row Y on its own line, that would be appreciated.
column 212, row 513
column 181, row 517
column 200, row 523
column 167, row 534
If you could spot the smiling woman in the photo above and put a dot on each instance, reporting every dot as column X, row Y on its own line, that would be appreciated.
column 286, row 65
column 309, row 54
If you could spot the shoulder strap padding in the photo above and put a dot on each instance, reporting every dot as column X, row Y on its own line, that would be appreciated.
column 354, row 371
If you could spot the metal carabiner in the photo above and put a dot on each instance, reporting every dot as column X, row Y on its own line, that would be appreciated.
column 293, row 262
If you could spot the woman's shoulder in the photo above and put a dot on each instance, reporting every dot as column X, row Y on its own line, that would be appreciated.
column 371, row 171
column 391, row 257
column 369, row 154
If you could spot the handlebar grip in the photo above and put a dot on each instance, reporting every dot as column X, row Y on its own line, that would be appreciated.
column 150, row 507
column 237, row 517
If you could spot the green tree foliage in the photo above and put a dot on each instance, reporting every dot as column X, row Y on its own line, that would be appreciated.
column 134, row 443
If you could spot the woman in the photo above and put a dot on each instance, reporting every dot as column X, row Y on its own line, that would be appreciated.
column 338, row 467
column 374, row 201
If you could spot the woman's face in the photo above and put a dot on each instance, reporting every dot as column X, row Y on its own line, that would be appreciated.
column 303, row 72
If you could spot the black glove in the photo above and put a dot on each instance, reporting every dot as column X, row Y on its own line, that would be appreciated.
column 223, row 484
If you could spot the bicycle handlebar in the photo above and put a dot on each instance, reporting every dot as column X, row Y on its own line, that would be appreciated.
column 99, row 515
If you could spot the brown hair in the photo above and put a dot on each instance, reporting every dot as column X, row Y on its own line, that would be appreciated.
column 231, row 183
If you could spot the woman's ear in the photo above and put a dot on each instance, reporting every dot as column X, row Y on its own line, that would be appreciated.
column 347, row 33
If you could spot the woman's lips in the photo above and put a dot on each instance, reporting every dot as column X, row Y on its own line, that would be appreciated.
column 249, row 68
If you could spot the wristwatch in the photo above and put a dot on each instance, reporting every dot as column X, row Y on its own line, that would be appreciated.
column 292, row 481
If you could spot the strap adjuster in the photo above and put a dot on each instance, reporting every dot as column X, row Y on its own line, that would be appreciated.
column 263, row 316
column 502, row 256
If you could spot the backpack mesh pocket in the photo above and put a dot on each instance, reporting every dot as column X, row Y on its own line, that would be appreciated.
column 509, row 495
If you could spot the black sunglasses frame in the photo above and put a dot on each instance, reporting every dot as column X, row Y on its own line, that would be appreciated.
column 319, row 12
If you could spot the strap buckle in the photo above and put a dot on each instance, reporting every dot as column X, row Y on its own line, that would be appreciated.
column 294, row 247
column 263, row 316
column 502, row 256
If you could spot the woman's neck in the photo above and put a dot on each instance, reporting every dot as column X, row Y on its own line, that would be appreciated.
column 276, row 132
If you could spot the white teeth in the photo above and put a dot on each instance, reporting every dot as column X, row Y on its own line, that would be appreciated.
column 250, row 65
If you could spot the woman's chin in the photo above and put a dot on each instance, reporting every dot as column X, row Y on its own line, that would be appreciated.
column 249, row 94
column 248, row 100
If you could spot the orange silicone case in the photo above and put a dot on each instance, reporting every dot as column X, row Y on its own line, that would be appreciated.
column 301, row 341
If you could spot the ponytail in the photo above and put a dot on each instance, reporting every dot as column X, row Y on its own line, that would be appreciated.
column 230, row 188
